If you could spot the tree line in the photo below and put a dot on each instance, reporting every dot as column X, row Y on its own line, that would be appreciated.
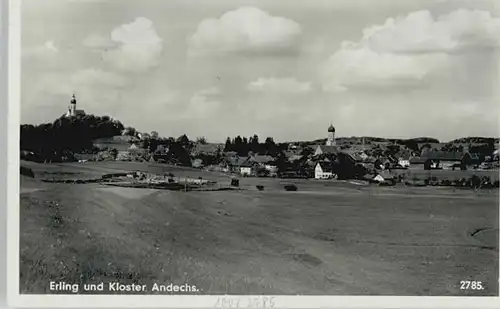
column 67, row 135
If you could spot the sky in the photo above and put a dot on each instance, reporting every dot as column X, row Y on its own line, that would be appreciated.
column 281, row 68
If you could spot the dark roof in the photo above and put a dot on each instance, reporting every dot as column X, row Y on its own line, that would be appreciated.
column 237, row 161
column 206, row 148
column 405, row 156
column 444, row 155
column 328, row 149
column 262, row 159
column 417, row 160
column 325, row 167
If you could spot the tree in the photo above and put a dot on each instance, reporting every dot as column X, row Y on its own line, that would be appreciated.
column 228, row 146
column 183, row 140
column 254, row 143
column 201, row 140
column 154, row 135
column 238, row 145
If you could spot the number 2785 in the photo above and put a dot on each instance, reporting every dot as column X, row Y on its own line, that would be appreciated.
column 471, row 285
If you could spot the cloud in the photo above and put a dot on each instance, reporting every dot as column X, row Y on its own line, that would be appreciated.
column 245, row 30
column 406, row 51
column 139, row 46
column 85, row 80
column 48, row 49
column 202, row 104
column 419, row 32
column 210, row 91
column 352, row 67
column 97, row 41
column 280, row 85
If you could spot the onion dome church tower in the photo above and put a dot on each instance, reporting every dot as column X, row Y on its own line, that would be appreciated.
column 72, row 111
column 330, row 141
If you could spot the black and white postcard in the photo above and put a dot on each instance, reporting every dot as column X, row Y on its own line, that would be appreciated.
column 254, row 153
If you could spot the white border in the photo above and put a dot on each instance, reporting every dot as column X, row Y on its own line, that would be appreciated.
column 159, row 301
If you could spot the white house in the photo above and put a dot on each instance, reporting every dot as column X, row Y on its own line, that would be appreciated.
column 404, row 161
column 245, row 170
column 323, row 171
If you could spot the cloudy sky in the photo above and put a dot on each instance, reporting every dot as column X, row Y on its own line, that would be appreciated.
column 281, row 68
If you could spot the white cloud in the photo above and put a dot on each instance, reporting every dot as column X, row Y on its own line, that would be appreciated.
column 98, row 41
column 85, row 80
column 48, row 49
column 280, row 85
column 209, row 91
column 99, row 77
column 247, row 29
column 406, row 50
column 361, row 66
column 202, row 104
column 420, row 32
column 139, row 48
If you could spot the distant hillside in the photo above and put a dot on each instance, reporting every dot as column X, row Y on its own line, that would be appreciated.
column 475, row 140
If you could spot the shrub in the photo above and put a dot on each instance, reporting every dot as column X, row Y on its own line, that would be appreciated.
column 291, row 188
column 474, row 181
column 260, row 187
column 235, row 182
column 27, row 172
column 496, row 184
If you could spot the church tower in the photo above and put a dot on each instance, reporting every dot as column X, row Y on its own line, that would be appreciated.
column 330, row 141
column 72, row 107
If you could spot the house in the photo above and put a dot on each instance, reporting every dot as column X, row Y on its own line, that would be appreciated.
column 123, row 156
column 206, row 149
column 404, row 160
column 323, row 149
column 197, row 163
column 417, row 162
column 133, row 147
column 448, row 159
column 265, row 161
column 161, row 149
column 323, row 170
column 248, row 168
column 383, row 176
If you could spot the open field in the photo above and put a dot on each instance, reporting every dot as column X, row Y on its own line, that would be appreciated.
column 328, row 238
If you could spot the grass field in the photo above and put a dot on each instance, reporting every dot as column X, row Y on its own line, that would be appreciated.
column 332, row 238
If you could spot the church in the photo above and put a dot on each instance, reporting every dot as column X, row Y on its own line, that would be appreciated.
column 72, row 111
column 330, row 145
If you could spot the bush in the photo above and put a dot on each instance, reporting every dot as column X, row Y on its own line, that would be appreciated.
column 260, row 187
column 27, row 172
column 496, row 184
column 291, row 188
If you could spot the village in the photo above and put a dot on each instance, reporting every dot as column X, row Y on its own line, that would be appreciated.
column 363, row 158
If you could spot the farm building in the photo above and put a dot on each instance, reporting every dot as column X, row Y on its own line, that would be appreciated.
column 448, row 159
column 264, row 161
column 323, row 170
